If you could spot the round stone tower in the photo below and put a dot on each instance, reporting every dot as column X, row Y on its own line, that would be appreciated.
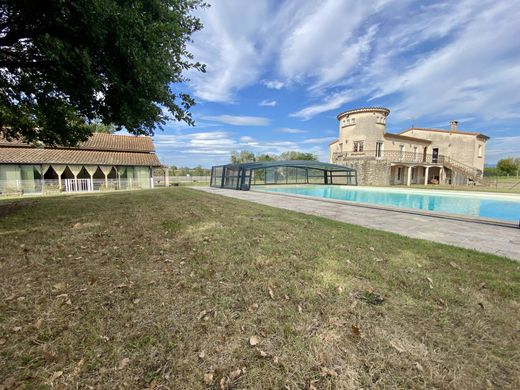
column 365, row 125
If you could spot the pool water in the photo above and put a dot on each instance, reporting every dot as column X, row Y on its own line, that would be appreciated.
column 492, row 206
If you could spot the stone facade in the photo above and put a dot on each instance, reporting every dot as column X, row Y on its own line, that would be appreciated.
column 414, row 156
column 370, row 172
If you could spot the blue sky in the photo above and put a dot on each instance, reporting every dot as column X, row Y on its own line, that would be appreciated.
column 278, row 73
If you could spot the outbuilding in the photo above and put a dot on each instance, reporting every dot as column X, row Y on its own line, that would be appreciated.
column 103, row 162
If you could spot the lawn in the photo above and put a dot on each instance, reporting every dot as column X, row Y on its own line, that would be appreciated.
column 176, row 288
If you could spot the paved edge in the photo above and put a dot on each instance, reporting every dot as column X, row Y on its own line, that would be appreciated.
column 470, row 234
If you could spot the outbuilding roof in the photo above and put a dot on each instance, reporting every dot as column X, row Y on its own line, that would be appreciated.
column 99, row 149
column 407, row 138
column 446, row 131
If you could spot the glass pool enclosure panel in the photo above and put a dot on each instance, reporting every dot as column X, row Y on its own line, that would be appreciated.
column 242, row 176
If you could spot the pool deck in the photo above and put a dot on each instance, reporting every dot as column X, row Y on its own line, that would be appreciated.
column 498, row 240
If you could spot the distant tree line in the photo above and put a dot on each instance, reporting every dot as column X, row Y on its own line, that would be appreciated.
column 184, row 171
column 506, row 167
column 238, row 157
column 244, row 156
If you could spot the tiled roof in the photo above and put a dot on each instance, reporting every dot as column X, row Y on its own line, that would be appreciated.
column 127, row 143
column 445, row 131
column 101, row 141
column 407, row 138
column 99, row 149
column 333, row 142
column 29, row 155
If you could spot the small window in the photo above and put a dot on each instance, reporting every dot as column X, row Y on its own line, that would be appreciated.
column 353, row 120
column 358, row 146
column 480, row 150
column 379, row 149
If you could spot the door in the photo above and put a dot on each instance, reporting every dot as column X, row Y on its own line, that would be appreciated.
column 435, row 155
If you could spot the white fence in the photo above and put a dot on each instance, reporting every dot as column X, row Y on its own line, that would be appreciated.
column 38, row 186
column 22, row 187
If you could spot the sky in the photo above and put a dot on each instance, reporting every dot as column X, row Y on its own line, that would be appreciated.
column 279, row 72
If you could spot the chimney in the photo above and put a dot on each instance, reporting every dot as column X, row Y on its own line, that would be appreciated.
column 453, row 126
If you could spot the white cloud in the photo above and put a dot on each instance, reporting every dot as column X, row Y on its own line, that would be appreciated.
column 215, row 147
column 236, row 120
column 247, row 139
column 329, row 52
column 228, row 46
column 334, row 102
column 467, row 64
column 322, row 140
column 267, row 103
column 502, row 147
column 290, row 130
column 476, row 73
column 274, row 84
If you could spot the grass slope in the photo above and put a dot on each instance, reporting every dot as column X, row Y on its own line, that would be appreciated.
column 164, row 289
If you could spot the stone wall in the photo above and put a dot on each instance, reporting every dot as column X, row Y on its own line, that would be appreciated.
column 370, row 172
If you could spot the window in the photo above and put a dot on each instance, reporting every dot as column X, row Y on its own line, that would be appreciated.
column 480, row 150
column 399, row 174
column 379, row 149
column 353, row 120
column 415, row 154
column 401, row 151
column 358, row 146
column 341, row 147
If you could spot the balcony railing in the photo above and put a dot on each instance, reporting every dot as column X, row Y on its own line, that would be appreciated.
column 391, row 155
column 410, row 157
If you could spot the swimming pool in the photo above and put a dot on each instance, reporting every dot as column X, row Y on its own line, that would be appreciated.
column 501, row 207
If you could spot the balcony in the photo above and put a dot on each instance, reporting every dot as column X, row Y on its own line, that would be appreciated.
column 392, row 156
column 410, row 158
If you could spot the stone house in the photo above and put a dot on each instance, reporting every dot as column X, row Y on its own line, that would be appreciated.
column 414, row 156
column 103, row 162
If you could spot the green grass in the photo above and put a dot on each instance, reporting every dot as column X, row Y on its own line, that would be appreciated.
column 163, row 288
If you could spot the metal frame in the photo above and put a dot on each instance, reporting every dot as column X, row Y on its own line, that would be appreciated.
column 239, row 176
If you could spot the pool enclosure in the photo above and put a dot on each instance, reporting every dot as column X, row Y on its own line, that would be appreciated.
column 242, row 176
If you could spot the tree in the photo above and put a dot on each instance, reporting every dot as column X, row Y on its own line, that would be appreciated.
column 242, row 157
column 265, row 157
column 294, row 155
column 67, row 64
column 507, row 166
column 491, row 171
column 198, row 171
column 516, row 161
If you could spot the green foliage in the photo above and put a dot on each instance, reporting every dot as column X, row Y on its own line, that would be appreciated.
column 184, row 171
column 102, row 128
column 294, row 155
column 508, row 166
column 491, row 172
column 247, row 156
column 67, row 64
column 242, row 157
column 198, row 171
column 265, row 157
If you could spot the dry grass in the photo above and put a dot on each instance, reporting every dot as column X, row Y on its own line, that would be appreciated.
column 164, row 288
